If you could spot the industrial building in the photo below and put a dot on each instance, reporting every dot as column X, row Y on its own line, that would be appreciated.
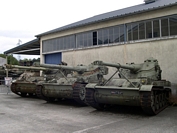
column 127, row 35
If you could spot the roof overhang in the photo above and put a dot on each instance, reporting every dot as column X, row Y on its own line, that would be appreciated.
column 29, row 48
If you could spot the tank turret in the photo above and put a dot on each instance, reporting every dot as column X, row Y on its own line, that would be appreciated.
column 149, row 69
column 81, row 71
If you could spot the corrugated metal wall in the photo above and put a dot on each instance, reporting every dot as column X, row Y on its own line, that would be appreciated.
column 53, row 58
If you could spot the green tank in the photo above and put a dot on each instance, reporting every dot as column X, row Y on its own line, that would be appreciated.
column 25, row 85
column 71, row 86
column 14, row 73
column 137, row 85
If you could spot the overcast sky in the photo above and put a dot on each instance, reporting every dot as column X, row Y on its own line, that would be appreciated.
column 23, row 19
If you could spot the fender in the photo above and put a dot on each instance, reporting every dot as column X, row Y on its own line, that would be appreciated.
column 91, row 85
column 146, row 88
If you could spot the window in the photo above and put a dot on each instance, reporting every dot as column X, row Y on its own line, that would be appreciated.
column 142, row 30
column 122, row 33
column 149, row 29
column 129, row 32
column 156, row 28
column 164, row 27
column 95, row 38
column 80, row 41
column 90, row 39
column 57, row 44
column 100, row 37
column 105, row 36
column 85, row 40
column 135, row 30
column 111, row 35
column 116, row 34
column 173, row 25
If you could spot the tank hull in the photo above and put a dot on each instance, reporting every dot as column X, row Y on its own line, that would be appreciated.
column 63, row 89
column 23, row 88
column 57, row 90
column 152, row 98
column 115, row 95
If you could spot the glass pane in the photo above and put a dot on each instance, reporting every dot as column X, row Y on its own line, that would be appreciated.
column 122, row 33
column 85, row 40
column 100, row 37
column 68, row 42
column 55, row 44
column 51, row 45
column 105, row 36
column 142, row 30
column 173, row 25
column 165, row 28
column 129, row 32
column 57, row 40
column 156, row 28
column 94, row 34
column 90, row 38
column 149, row 29
column 135, row 31
column 73, row 41
column 111, row 31
column 116, row 34
column 79, row 40
column 65, row 42
column 61, row 43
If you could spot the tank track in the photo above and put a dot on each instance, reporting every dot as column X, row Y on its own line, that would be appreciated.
column 155, row 101
column 13, row 89
column 152, row 102
column 77, row 92
column 40, row 95
column 90, row 100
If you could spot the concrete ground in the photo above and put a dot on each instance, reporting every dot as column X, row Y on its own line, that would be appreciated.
column 32, row 115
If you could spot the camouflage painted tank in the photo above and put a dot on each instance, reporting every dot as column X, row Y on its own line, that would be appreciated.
column 71, row 87
column 26, row 83
column 138, row 85
column 14, row 73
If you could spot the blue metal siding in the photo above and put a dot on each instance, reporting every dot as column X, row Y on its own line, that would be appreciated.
column 53, row 58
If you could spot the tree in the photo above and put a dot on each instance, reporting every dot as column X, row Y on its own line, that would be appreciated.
column 10, row 59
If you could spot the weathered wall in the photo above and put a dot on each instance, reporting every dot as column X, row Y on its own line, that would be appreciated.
column 165, row 51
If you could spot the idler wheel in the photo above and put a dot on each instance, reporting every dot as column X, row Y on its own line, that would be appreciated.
column 90, row 100
column 79, row 93
column 82, row 93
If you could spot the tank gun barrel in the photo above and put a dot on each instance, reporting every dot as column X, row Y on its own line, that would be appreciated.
column 77, row 68
column 130, row 67
column 25, row 67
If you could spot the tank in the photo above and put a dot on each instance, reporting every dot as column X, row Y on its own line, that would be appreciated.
column 25, row 85
column 14, row 73
column 137, row 85
column 71, row 86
